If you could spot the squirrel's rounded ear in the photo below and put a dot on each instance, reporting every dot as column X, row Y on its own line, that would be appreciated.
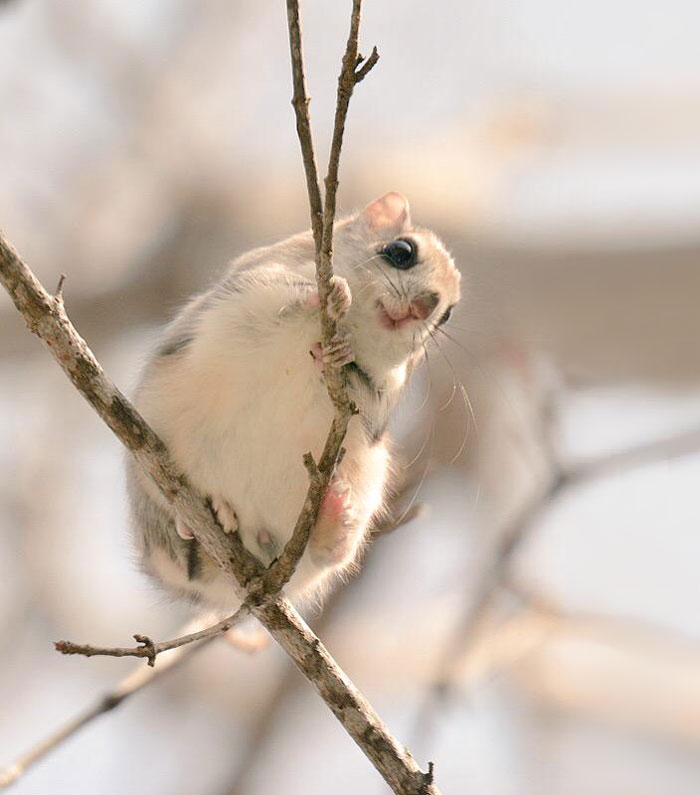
column 387, row 213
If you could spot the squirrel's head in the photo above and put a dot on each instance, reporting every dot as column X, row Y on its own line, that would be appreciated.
column 403, row 280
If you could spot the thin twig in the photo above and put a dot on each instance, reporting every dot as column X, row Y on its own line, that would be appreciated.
column 131, row 684
column 148, row 648
column 59, row 287
column 363, row 69
column 300, row 102
column 347, row 80
column 323, row 214
column 322, row 222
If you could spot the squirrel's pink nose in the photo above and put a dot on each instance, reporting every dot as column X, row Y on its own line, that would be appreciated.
column 423, row 306
column 398, row 316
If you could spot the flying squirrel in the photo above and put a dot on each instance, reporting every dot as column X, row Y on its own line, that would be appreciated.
column 236, row 390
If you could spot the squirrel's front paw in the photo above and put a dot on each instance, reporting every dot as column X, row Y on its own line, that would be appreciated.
column 337, row 354
column 339, row 298
column 225, row 514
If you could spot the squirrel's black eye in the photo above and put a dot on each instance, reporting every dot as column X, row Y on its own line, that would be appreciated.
column 445, row 316
column 400, row 254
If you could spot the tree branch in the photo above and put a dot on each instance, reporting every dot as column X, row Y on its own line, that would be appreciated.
column 148, row 648
column 300, row 102
column 46, row 317
column 322, row 222
column 323, row 214
column 141, row 677
column 346, row 84
column 258, row 731
column 363, row 69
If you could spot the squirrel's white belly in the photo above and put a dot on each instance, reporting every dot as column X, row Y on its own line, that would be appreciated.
column 239, row 429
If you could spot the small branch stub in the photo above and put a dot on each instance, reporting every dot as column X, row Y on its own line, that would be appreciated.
column 149, row 648
column 361, row 71
column 59, row 288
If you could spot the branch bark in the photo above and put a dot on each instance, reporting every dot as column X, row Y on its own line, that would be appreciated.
column 149, row 648
column 323, row 214
column 322, row 222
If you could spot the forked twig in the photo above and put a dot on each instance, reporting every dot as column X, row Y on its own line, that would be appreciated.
column 322, row 222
